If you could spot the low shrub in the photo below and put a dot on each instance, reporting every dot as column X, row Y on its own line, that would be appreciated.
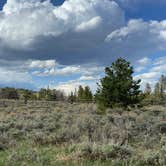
column 105, row 152
column 5, row 142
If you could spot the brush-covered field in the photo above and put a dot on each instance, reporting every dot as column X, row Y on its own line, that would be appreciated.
column 63, row 134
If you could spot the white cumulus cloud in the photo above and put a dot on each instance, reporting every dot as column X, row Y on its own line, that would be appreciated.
column 23, row 22
column 139, row 38
column 42, row 64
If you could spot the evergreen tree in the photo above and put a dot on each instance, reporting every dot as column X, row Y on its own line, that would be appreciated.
column 118, row 86
column 87, row 95
column 9, row 93
column 28, row 95
column 84, row 94
column 80, row 95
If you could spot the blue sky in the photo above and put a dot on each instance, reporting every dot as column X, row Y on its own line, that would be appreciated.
column 65, row 44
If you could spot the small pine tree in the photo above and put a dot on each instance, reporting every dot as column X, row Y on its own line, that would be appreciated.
column 118, row 86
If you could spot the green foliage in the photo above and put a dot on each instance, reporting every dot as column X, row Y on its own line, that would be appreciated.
column 159, row 94
column 118, row 88
column 9, row 93
column 87, row 95
column 42, row 94
column 105, row 152
column 51, row 95
column 80, row 94
column 4, row 142
column 72, row 98
column 33, row 136
column 28, row 95
column 84, row 94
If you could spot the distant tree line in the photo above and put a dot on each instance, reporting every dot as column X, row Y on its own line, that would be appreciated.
column 157, row 93
column 25, row 94
column 82, row 95
column 51, row 95
column 9, row 93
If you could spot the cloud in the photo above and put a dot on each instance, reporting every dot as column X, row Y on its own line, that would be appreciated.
column 68, row 87
column 130, row 4
column 91, row 24
column 159, row 65
column 42, row 64
column 75, row 32
column 148, row 77
column 88, row 78
column 144, row 61
column 138, row 39
column 68, row 70
column 43, row 40
column 23, row 73
column 160, row 60
column 152, row 71
column 9, row 76
column 72, row 85
column 87, row 71
column 142, row 64
column 38, row 30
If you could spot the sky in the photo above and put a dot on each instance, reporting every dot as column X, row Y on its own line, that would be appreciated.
column 64, row 44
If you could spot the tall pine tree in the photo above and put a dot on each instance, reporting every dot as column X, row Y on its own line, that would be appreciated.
column 118, row 86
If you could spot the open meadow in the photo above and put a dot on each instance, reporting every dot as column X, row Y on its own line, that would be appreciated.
column 64, row 134
column 82, row 82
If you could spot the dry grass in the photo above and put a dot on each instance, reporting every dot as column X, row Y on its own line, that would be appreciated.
column 62, row 132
